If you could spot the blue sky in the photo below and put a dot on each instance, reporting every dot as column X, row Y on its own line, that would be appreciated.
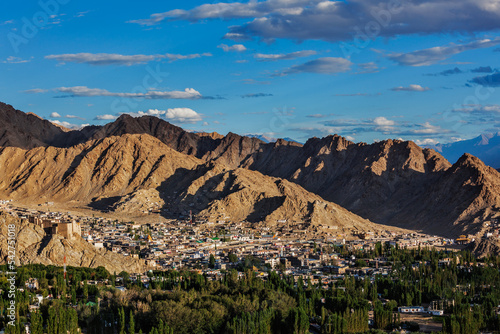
column 368, row 70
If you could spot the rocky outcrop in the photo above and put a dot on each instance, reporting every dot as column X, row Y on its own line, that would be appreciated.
column 34, row 246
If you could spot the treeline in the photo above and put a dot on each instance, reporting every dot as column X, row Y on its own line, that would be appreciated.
column 186, row 302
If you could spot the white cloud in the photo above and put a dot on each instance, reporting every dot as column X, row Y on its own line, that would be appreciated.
column 74, row 117
column 177, row 115
column 285, row 56
column 16, row 60
column 183, row 115
column 82, row 14
column 36, row 91
column 410, row 88
column 174, row 57
column 433, row 55
column 479, row 109
column 102, row 59
column 232, row 48
column 383, row 124
column 55, row 115
column 106, row 117
column 370, row 67
column 382, row 121
column 80, row 91
column 327, row 65
column 387, row 127
column 427, row 129
column 350, row 138
column 426, row 142
column 67, row 125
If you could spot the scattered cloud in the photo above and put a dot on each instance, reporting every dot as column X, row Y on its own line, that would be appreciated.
column 427, row 129
column 383, row 124
column 285, row 56
column 176, row 115
column 55, row 115
column 327, row 65
column 370, row 67
column 175, row 57
column 410, row 88
column 492, row 80
column 7, row 22
column 68, row 125
column 81, row 91
column 232, row 48
column 255, row 82
column 350, row 138
column 106, row 117
column 16, row 60
column 482, row 69
column 479, row 109
column 106, row 59
column 386, row 126
column 426, row 142
column 74, row 117
column 446, row 73
column 256, row 95
column 82, row 14
column 36, row 91
column 337, row 20
column 317, row 116
column 436, row 54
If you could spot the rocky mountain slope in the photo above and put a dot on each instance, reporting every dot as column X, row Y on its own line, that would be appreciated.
column 124, row 173
column 389, row 182
column 34, row 246
column 25, row 130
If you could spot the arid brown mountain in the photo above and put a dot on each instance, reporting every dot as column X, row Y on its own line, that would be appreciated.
column 392, row 182
column 113, row 166
column 389, row 182
column 217, row 192
column 34, row 246
column 124, row 173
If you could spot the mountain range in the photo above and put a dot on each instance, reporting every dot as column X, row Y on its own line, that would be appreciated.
column 486, row 147
column 326, row 181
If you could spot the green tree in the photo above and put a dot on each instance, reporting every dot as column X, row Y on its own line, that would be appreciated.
column 212, row 261
column 232, row 258
column 131, row 324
